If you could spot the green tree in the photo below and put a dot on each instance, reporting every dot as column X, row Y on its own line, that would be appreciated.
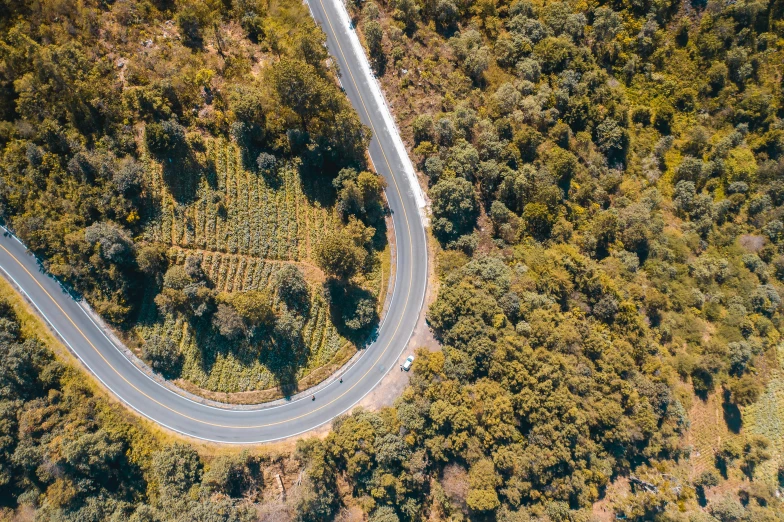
column 254, row 307
column 302, row 90
column 176, row 469
column 292, row 288
column 233, row 475
column 373, row 36
column 338, row 255
column 483, row 480
column 165, row 139
column 455, row 208
column 228, row 322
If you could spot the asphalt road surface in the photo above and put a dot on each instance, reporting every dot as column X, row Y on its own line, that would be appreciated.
column 264, row 423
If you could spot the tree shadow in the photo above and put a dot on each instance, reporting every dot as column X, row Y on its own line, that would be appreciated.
column 722, row 466
column 379, row 64
column 351, row 314
column 181, row 173
column 376, row 218
column 284, row 359
column 210, row 172
column 701, row 499
column 732, row 415
column 316, row 185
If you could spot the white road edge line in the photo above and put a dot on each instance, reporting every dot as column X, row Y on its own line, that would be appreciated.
column 386, row 114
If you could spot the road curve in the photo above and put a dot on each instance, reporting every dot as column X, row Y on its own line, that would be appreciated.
column 272, row 422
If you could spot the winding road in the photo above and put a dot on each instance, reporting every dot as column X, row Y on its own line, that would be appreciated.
column 108, row 362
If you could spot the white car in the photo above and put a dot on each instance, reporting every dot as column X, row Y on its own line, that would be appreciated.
column 407, row 365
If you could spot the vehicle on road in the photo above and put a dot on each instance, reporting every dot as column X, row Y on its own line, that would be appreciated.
column 407, row 365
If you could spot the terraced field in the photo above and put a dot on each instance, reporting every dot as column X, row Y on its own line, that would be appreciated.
column 766, row 417
column 245, row 227
column 238, row 212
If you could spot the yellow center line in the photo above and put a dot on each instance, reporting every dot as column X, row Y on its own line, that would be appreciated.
column 408, row 294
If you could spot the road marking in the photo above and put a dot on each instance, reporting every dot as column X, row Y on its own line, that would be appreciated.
column 310, row 412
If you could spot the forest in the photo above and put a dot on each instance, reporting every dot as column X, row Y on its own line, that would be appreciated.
column 606, row 182
column 183, row 166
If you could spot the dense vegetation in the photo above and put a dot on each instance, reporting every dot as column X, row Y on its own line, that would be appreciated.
column 169, row 160
column 606, row 182
column 66, row 454
column 607, row 186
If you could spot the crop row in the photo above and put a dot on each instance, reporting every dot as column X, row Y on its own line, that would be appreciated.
column 766, row 417
column 240, row 212
column 233, row 272
column 210, row 364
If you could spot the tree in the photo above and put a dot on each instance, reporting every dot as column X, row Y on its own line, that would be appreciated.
column 358, row 193
column 165, row 139
column 707, row 479
column 176, row 469
column 128, row 178
column 300, row 89
column 731, row 450
column 423, row 128
column 373, row 36
column 151, row 258
column 266, row 163
column 363, row 315
column 113, row 242
column 663, row 118
column 190, row 27
column 606, row 308
column 292, row 288
column 384, row 514
column 317, row 499
column 406, row 11
column 612, row 140
column 727, row 509
column 538, row 220
column 455, row 208
column 339, row 256
column 231, row 475
column 561, row 163
column 254, row 307
column 446, row 15
column 163, row 354
column 755, row 452
column 483, row 481
column 228, row 322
